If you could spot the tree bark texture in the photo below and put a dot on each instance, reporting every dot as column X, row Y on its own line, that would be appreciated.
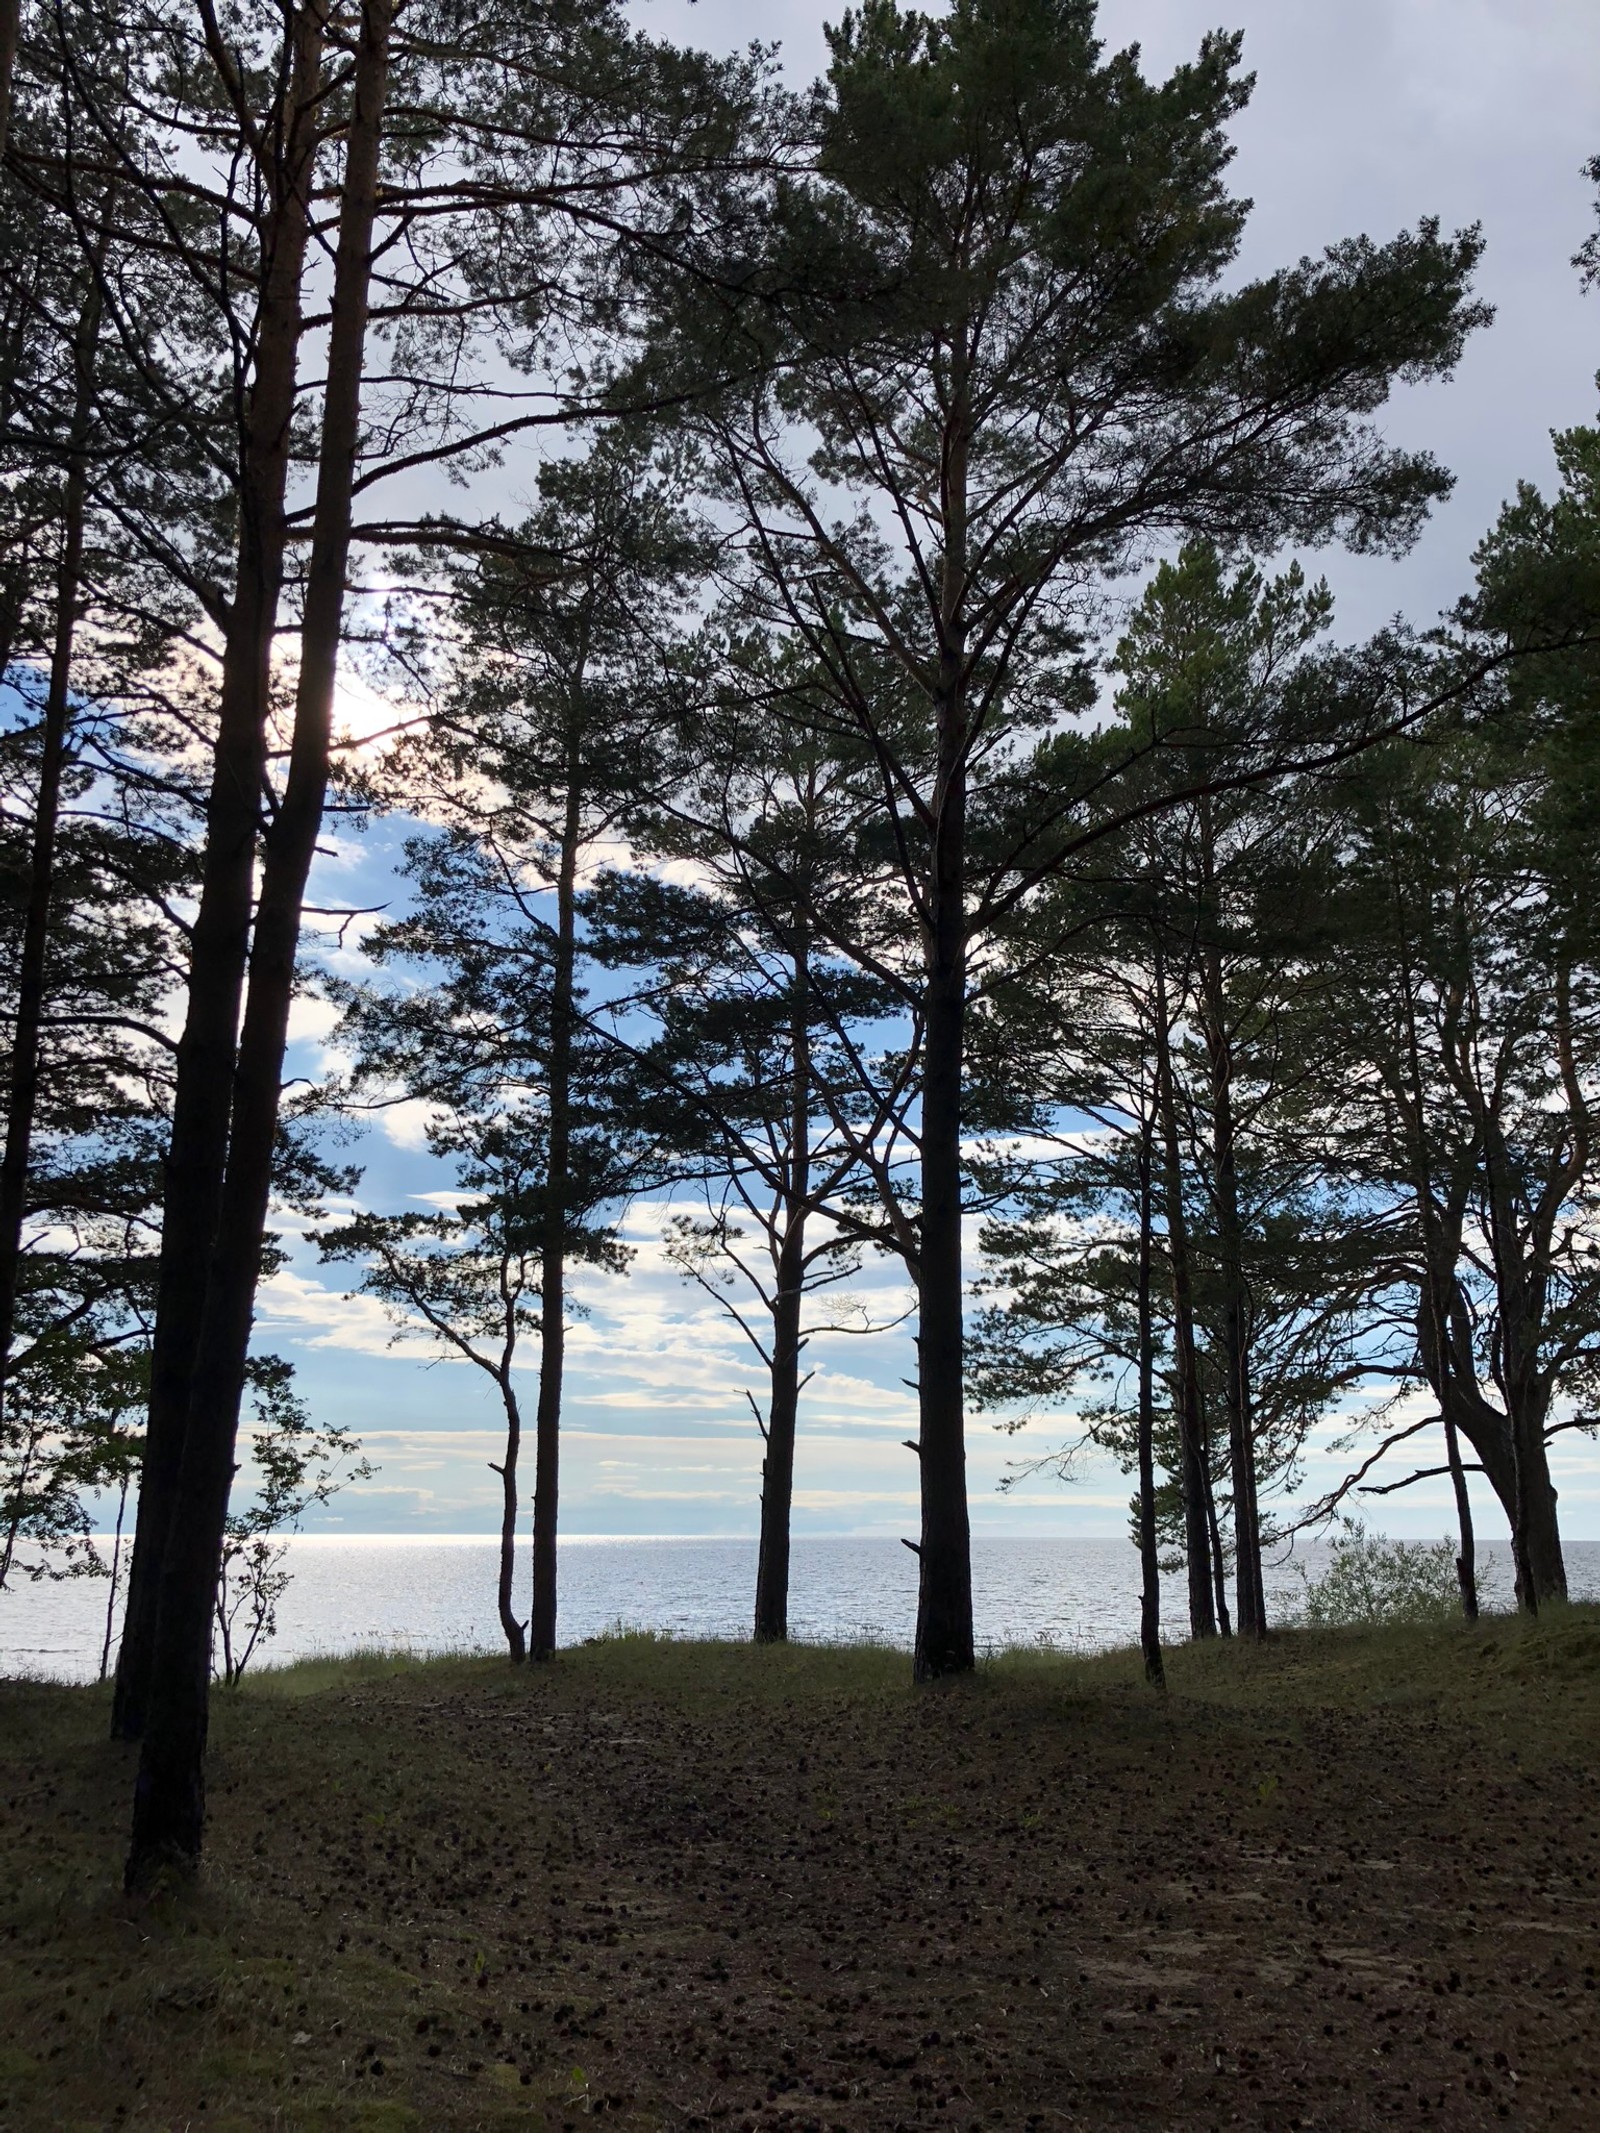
column 1510, row 1444
column 169, row 1801
column 197, row 1150
column 1541, row 1564
column 777, row 1465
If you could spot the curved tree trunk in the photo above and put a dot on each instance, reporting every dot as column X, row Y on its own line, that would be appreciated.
column 1541, row 1571
column 114, row 1582
column 514, row 1630
column 1219, row 1560
column 1488, row 1432
column 1531, row 1493
column 1520, row 1214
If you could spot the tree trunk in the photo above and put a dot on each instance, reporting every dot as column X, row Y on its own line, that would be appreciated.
column 944, row 1587
column 21, row 298
column 115, row 1580
column 1247, row 1575
column 16, row 1509
column 944, row 1597
column 553, row 1257
column 1488, row 1432
column 1219, row 1560
column 1467, row 1559
column 1520, row 1260
column 1541, row 1572
column 23, row 1091
column 1194, row 1481
column 1511, row 1356
column 783, row 1407
column 1149, row 1560
column 219, row 946
column 777, row 1467
column 515, row 1632
column 10, row 29
column 1434, row 1337
column 169, row 1803
column 14, row 586
column 1543, row 1565
column 1248, row 1585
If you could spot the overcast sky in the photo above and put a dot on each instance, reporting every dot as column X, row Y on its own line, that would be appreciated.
column 1367, row 115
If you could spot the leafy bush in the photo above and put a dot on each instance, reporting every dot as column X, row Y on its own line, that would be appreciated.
column 1371, row 1579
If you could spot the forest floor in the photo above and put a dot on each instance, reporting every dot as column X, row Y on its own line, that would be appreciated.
column 1348, row 1880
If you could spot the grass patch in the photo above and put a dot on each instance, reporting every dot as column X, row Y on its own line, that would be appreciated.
column 319, row 1671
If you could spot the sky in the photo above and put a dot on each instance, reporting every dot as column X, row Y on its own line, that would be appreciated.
column 1366, row 116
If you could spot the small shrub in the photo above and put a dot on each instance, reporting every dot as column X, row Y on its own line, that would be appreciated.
column 1371, row 1579
column 619, row 1631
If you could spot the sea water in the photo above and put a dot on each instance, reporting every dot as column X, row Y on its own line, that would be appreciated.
column 437, row 1593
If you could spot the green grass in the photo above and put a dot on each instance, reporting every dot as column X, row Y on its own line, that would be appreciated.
column 332, row 1670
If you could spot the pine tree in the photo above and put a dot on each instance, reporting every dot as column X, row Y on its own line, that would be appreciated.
column 1032, row 375
column 761, row 1071
column 541, row 747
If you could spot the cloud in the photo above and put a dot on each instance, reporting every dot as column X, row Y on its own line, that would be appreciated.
column 405, row 1124
column 326, row 1318
column 311, row 1019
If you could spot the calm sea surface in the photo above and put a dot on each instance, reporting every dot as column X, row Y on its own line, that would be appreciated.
column 437, row 1594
